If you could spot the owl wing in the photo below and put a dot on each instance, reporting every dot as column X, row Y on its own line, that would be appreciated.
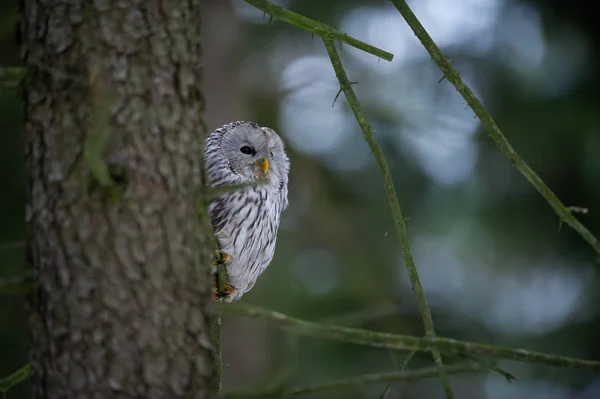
column 219, row 216
column 229, row 221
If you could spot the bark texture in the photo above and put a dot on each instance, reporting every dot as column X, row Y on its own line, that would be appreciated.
column 121, row 307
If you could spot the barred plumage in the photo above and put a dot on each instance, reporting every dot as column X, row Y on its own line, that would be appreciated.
column 246, row 221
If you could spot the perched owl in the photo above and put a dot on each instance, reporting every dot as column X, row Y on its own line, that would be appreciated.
column 246, row 221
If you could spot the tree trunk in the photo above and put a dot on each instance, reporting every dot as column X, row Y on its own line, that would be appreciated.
column 122, row 305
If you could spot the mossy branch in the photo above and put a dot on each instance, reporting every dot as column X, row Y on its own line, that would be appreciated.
column 217, row 325
column 17, row 285
column 10, row 77
column 564, row 213
column 402, row 342
column 407, row 376
column 212, row 193
column 326, row 32
column 221, row 278
column 399, row 224
column 15, row 378
column 11, row 245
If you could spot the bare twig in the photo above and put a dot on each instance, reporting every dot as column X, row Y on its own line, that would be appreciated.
column 11, row 245
column 402, row 342
column 15, row 378
column 318, row 28
column 493, row 131
column 413, row 375
column 219, row 359
column 362, row 316
column 17, row 285
column 407, row 359
column 10, row 77
column 212, row 193
column 394, row 205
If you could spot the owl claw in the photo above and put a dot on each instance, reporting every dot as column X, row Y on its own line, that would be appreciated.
column 229, row 289
column 220, row 258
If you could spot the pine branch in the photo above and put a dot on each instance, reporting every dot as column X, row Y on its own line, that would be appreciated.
column 326, row 32
column 399, row 224
column 564, row 214
column 407, row 376
column 402, row 342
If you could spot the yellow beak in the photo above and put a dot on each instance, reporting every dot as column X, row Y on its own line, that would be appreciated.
column 263, row 164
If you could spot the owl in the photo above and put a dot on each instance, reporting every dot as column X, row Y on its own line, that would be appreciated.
column 246, row 221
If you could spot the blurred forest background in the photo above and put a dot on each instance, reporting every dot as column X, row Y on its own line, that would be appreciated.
column 494, row 262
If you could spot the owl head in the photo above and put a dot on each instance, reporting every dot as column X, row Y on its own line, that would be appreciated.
column 247, row 152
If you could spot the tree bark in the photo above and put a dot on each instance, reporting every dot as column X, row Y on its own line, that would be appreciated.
column 121, row 308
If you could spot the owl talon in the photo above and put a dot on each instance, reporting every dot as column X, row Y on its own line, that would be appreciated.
column 229, row 289
column 220, row 258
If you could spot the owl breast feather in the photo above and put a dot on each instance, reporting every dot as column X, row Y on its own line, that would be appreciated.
column 246, row 224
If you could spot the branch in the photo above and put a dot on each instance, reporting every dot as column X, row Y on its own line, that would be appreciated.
column 407, row 359
column 493, row 131
column 15, row 378
column 324, row 31
column 10, row 245
column 17, row 285
column 401, row 342
column 212, row 193
column 218, row 347
column 413, row 375
column 400, row 227
column 10, row 77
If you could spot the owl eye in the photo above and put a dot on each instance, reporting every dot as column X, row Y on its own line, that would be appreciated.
column 247, row 150
column 271, row 154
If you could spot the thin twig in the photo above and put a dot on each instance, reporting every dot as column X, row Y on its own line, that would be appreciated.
column 401, row 342
column 349, row 319
column 413, row 375
column 18, row 285
column 10, row 77
column 407, row 359
column 219, row 358
column 221, row 272
column 318, row 28
column 362, row 316
column 286, row 370
column 221, row 281
column 491, row 128
column 15, row 378
column 212, row 193
column 11, row 245
column 494, row 367
column 394, row 205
